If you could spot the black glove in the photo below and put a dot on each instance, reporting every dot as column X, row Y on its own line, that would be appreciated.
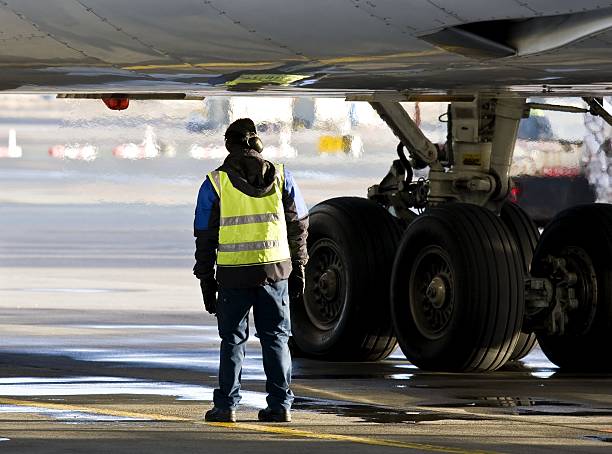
column 209, row 295
column 297, row 282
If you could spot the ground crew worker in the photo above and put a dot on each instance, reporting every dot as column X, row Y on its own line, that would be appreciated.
column 252, row 222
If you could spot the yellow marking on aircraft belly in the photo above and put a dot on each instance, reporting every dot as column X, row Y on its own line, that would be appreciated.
column 326, row 61
column 278, row 430
column 202, row 65
column 265, row 79
column 375, row 58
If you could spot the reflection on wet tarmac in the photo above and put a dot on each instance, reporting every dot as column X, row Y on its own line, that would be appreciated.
column 542, row 373
column 599, row 438
column 72, row 290
column 528, row 406
column 537, row 360
column 97, row 386
column 373, row 414
column 152, row 327
column 65, row 415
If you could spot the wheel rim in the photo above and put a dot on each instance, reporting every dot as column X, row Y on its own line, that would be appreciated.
column 431, row 292
column 325, row 284
column 578, row 262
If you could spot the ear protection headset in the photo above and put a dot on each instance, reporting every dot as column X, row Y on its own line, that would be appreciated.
column 254, row 142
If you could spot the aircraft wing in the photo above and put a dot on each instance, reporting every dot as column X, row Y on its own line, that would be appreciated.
column 298, row 47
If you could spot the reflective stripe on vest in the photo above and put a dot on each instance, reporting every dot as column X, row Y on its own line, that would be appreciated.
column 252, row 230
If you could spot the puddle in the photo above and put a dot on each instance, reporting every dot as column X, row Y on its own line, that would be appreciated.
column 401, row 376
column 152, row 327
column 537, row 360
column 373, row 414
column 543, row 373
column 338, row 376
column 74, row 290
column 203, row 360
column 528, row 406
column 605, row 439
column 252, row 368
column 82, row 386
column 66, row 415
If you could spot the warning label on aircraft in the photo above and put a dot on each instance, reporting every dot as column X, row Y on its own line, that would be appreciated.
column 471, row 159
column 265, row 79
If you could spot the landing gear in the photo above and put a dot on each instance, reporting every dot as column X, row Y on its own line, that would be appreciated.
column 467, row 290
column 526, row 236
column 345, row 313
column 575, row 253
column 457, row 290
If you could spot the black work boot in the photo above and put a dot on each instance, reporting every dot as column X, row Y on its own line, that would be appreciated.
column 217, row 414
column 270, row 415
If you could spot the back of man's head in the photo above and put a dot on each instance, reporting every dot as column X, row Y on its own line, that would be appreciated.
column 241, row 134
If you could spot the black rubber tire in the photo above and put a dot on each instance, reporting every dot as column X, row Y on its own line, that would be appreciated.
column 588, row 227
column 526, row 235
column 485, row 281
column 365, row 236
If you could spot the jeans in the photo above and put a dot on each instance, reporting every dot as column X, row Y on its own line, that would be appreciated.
column 272, row 321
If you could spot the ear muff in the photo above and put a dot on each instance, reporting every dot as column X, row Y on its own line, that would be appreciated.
column 255, row 143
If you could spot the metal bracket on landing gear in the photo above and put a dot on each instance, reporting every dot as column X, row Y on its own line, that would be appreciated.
column 474, row 165
column 597, row 109
column 406, row 130
column 564, row 302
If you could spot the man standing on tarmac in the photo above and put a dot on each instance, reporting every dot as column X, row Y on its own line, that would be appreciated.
column 252, row 222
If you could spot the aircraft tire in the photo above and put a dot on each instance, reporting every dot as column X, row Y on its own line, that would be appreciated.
column 526, row 235
column 345, row 313
column 582, row 235
column 457, row 292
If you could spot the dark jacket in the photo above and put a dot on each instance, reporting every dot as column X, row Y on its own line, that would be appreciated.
column 254, row 176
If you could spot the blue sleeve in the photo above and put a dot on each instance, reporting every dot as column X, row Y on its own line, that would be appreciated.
column 208, row 201
column 292, row 189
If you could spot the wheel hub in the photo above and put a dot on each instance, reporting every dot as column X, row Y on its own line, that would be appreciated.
column 436, row 292
column 328, row 284
column 577, row 292
column 431, row 292
column 325, row 284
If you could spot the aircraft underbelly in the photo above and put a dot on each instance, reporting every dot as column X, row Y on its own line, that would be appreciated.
column 205, row 46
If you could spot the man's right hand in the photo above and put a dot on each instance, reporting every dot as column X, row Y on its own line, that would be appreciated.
column 209, row 295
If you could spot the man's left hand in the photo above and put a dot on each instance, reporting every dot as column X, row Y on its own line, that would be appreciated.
column 297, row 282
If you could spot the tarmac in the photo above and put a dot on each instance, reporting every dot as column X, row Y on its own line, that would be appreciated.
column 106, row 348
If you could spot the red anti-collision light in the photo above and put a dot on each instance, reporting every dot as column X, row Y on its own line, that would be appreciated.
column 515, row 192
column 116, row 103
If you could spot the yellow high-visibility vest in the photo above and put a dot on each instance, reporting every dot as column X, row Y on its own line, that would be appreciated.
column 252, row 230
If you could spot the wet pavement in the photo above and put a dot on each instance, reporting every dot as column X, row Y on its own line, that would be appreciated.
column 125, row 381
column 106, row 348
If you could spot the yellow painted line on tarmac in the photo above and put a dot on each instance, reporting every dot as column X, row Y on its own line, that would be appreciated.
column 278, row 430
column 345, row 438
